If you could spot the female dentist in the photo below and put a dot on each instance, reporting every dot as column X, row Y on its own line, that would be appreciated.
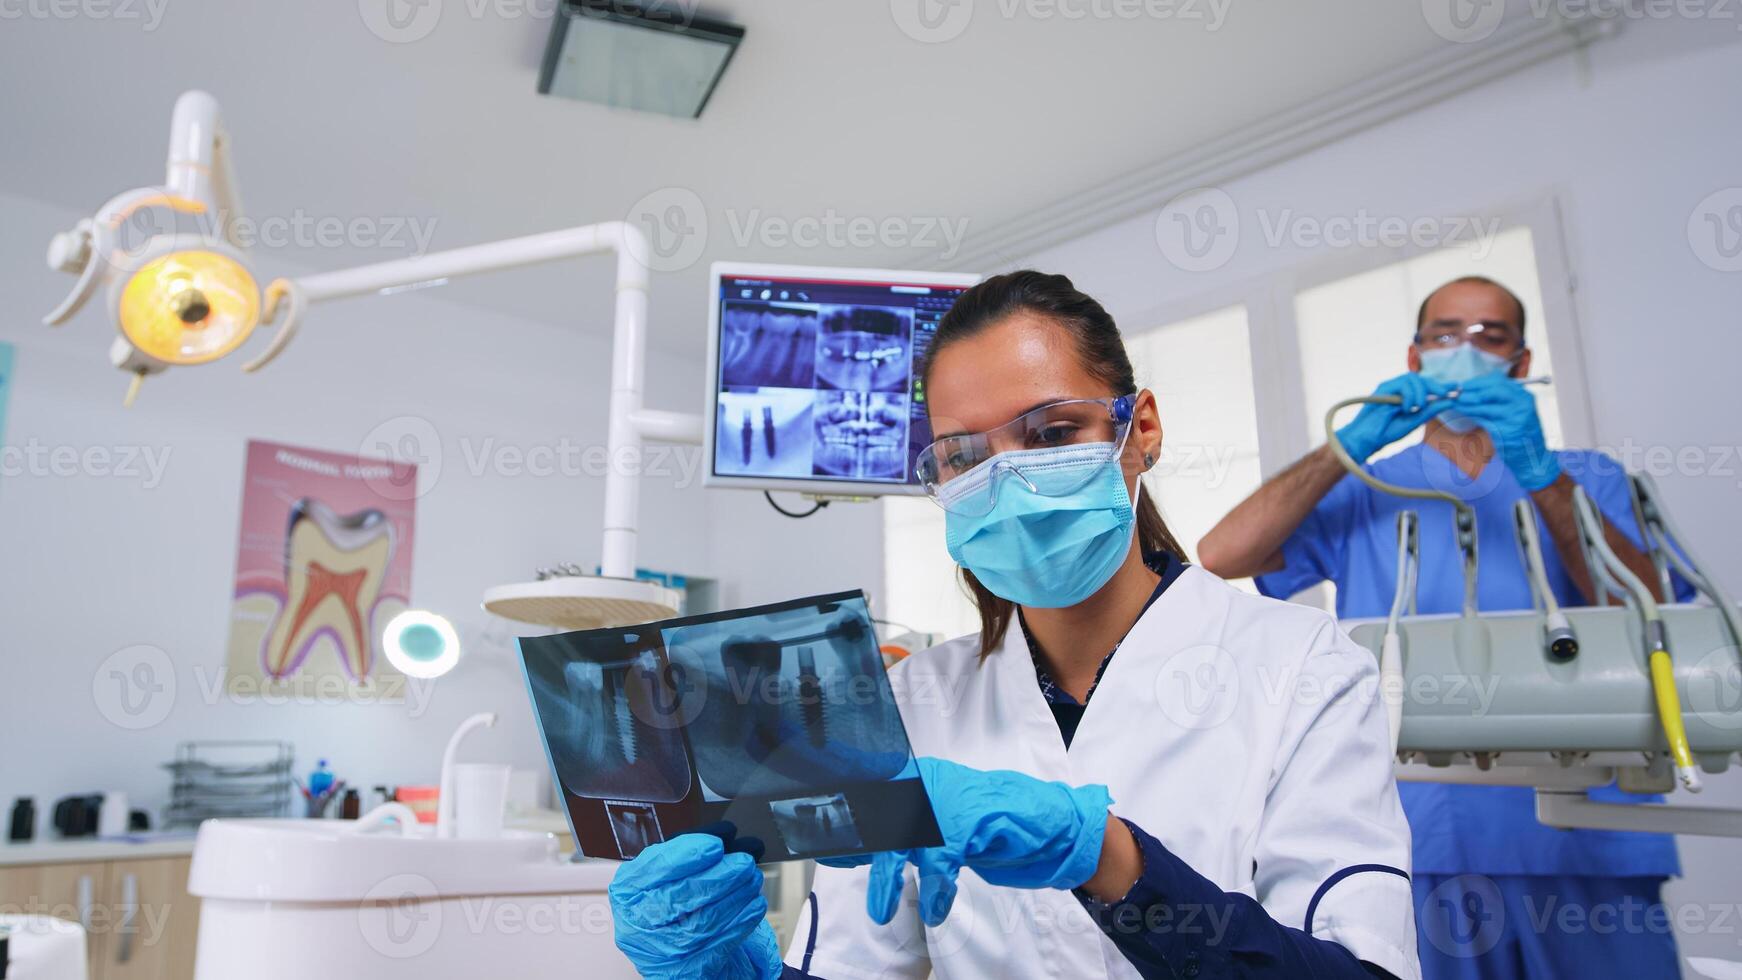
column 1150, row 773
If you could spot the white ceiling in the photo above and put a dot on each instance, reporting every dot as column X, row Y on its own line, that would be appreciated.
column 828, row 107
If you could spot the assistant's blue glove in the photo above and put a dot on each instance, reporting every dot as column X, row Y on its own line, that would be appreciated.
column 1012, row 829
column 1508, row 411
column 687, row 908
column 1376, row 426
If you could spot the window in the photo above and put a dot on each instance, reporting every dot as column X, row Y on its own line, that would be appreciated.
column 1201, row 372
column 921, row 590
column 1355, row 331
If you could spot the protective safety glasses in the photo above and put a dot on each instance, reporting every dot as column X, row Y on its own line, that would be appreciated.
column 1494, row 336
column 1052, row 451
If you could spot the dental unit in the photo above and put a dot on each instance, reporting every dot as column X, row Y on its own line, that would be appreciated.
column 182, row 296
column 1564, row 700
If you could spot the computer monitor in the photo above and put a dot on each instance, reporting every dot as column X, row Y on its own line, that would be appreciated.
column 813, row 376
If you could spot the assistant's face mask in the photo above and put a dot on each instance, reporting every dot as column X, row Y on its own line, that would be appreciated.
column 1461, row 364
column 1042, row 550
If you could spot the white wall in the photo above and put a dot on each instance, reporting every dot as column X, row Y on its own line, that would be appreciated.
column 94, row 564
column 1630, row 150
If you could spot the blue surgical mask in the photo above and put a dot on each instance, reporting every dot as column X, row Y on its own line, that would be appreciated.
column 1459, row 365
column 1040, row 551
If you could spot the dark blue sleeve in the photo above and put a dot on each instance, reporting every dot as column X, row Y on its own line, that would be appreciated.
column 1177, row 923
column 794, row 973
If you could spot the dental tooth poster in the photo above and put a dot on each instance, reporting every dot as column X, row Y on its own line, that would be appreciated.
column 778, row 718
column 323, row 563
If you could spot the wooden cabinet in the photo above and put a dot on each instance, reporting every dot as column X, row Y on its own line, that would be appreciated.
column 61, row 891
column 140, row 921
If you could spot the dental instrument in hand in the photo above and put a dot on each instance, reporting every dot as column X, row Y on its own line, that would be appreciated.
column 1662, row 667
column 1559, row 640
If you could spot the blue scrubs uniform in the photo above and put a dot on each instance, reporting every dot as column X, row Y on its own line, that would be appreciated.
column 1482, row 861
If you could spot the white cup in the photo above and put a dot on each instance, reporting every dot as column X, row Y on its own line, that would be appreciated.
column 480, row 796
column 114, row 816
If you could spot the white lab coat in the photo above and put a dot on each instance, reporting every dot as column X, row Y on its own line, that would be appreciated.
column 1242, row 732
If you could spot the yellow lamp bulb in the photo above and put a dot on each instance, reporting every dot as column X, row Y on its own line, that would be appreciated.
column 189, row 307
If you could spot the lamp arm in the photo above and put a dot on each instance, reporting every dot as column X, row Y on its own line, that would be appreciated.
column 199, row 164
column 630, row 423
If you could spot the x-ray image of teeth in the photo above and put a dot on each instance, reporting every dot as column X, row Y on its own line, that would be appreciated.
column 768, row 345
column 861, row 435
column 783, row 715
column 816, row 824
column 611, row 718
column 764, row 431
column 865, row 348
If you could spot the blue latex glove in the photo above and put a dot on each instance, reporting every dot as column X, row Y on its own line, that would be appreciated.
column 1376, row 426
column 1508, row 411
column 1012, row 829
column 687, row 908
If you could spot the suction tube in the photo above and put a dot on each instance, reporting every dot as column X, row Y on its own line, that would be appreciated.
column 1662, row 667
column 1391, row 648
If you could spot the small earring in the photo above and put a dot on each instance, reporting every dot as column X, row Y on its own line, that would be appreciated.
column 1148, row 460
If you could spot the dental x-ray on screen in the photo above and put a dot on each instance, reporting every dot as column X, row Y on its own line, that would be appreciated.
column 778, row 718
column 814, row 378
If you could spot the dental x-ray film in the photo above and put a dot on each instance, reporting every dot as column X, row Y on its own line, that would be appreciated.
column 778, row 718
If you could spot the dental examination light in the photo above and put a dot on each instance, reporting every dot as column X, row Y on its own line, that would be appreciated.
column 1662, row 667
column 176, row 296
column 1559, row 640
column 182, row 298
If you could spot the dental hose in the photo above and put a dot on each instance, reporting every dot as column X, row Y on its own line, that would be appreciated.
column 1465, row 517
column 1668, row 546
column 1662, row 667
column 1391, row 647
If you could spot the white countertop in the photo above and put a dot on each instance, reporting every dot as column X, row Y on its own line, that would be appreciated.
column 181, row 843
column 89, row 849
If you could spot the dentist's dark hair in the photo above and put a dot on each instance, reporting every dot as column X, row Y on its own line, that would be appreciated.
column 1102, row 353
